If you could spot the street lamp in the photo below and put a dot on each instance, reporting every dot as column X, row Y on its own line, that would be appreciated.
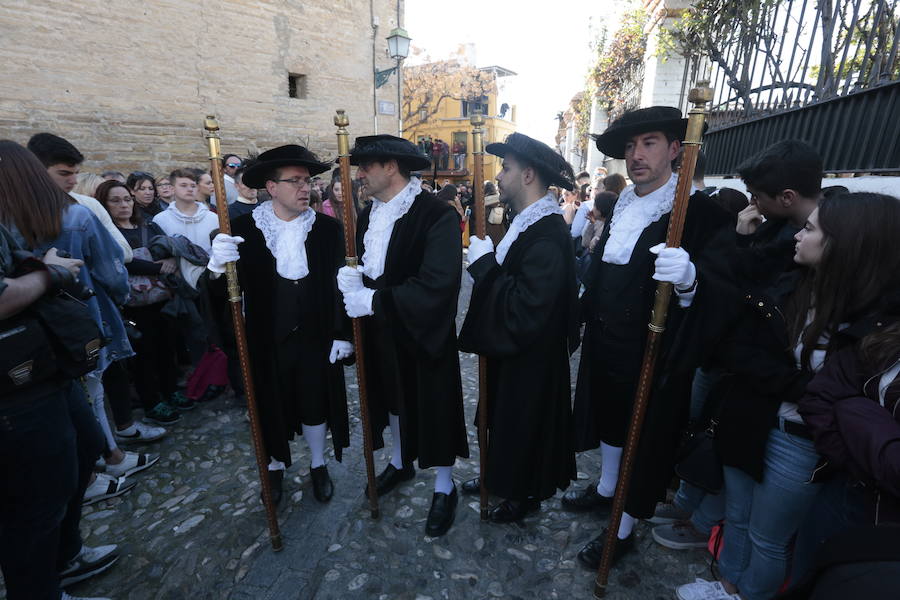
column 398, row 48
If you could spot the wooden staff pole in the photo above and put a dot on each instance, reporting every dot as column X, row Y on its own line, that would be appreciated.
column 343, row 139
column 240, row 334
column 698, row 96
column 477, row 121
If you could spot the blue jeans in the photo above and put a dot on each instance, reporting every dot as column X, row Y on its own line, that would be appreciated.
column 839, row 505
column 706, row 509
column 38, row 476
column 761, row 518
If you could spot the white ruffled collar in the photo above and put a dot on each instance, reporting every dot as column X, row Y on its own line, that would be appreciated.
column 286, row 239
column 525, row 219
column 632, row 214
column 381, row 223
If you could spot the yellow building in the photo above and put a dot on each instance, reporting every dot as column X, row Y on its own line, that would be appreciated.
column 450, row 123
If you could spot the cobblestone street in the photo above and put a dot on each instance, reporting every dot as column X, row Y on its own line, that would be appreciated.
column 194, row 528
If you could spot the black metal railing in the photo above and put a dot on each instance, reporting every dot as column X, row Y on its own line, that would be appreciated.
column 800, row 52
column 855, row 133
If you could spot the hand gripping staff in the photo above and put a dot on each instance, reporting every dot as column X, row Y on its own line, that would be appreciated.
column 698, row 96
column 240, row 334
column 477, row 121
column 343, row 139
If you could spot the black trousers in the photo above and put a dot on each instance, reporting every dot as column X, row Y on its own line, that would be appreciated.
column 154, row 365
column 48, row 446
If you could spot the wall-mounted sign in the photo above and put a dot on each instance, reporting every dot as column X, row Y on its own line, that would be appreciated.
column 386, row 107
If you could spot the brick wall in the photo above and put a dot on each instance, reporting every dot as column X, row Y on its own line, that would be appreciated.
column 129, row 82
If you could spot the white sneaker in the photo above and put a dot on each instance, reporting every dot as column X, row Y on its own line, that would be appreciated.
column 131, row 464
column 104, row 487
column 67, row 596
column 89, row 562
column 704, row 590
column 140, row 432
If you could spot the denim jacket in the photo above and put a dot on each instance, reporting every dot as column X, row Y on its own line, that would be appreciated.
column 84, row 237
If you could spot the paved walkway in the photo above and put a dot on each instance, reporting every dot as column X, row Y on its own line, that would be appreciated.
column 194, row 528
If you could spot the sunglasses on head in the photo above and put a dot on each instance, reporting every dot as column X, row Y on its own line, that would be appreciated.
column 233, row 165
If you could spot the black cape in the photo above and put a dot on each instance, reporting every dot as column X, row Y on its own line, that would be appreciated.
column 279, row 415
column 523, row 317
column 612, row 353
column 412, row 365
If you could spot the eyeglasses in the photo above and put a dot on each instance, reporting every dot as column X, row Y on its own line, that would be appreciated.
column 297, row 182
column 233, row 165
column 162, row 185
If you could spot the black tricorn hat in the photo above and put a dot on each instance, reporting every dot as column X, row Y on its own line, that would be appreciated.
column 643, row 120
column 290, row 155
column 383, row 147
column 539, row 155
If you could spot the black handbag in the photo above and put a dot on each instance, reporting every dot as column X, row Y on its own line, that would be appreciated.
column 54, row 338
column 698, row 461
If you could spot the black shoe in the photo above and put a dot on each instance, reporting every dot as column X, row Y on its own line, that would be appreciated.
column 586, row 499
column 275, row 484
column 592, row 553
column 510, row 511
column 391, row 477
column 472, row 486
column 442, row 513
column 323, row 488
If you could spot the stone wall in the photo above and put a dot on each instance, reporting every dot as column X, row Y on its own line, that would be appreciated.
column 129, row 82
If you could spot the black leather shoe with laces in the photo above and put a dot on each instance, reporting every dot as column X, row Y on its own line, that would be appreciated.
column 510, row 511
column 586, row 499
column 591, row 555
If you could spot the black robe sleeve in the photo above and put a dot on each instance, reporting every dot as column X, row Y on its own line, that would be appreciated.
column 421, row 304
column 509, row 310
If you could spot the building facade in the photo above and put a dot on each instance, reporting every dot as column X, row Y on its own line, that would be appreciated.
column 129, row 83
column 451, row 125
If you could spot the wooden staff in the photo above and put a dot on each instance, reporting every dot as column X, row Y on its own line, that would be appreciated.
column 240, row 334
column 477, row 121
column 343, row 139
column 698, row 96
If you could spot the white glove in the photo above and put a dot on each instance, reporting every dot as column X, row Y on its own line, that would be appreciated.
column 479, row 247
column 349, row 279
column 224, row 250
column 674, row 265
column 359, row 303
column 340, row 350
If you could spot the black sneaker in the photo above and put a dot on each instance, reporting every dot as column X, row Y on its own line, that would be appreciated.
column 182, row 402
column 163, row 414
column 89, row 562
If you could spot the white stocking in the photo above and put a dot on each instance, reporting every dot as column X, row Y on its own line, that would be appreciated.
column 396, row 446
column 610, row 457
column 315, row 439
column 443, row 482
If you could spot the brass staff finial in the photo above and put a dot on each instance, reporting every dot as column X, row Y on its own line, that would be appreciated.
column 341, row 119
column 700, row 94
column 210, row 123
column 477, row 119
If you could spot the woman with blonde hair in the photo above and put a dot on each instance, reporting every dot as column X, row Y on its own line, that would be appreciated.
column 87, row 184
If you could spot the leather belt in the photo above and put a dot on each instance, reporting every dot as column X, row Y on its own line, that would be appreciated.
column 792, row 428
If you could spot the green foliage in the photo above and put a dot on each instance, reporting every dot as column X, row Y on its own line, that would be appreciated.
column 615, row 64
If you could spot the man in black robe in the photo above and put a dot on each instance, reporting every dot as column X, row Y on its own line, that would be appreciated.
column 296, row 330
column 406, row 291
column 523, row 317
column 616, row 306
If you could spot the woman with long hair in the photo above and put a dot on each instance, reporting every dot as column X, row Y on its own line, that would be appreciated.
column 205, row 189
column 154, row 366
column 42, row 216
column 143, row 188
column 848, row 259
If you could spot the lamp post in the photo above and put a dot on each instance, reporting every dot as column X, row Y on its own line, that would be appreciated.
column 398, row 48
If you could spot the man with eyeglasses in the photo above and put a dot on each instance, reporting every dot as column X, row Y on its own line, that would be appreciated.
column 406, row 291
column 297, row 334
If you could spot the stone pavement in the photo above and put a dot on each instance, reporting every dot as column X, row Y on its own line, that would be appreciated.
column 194, row 528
